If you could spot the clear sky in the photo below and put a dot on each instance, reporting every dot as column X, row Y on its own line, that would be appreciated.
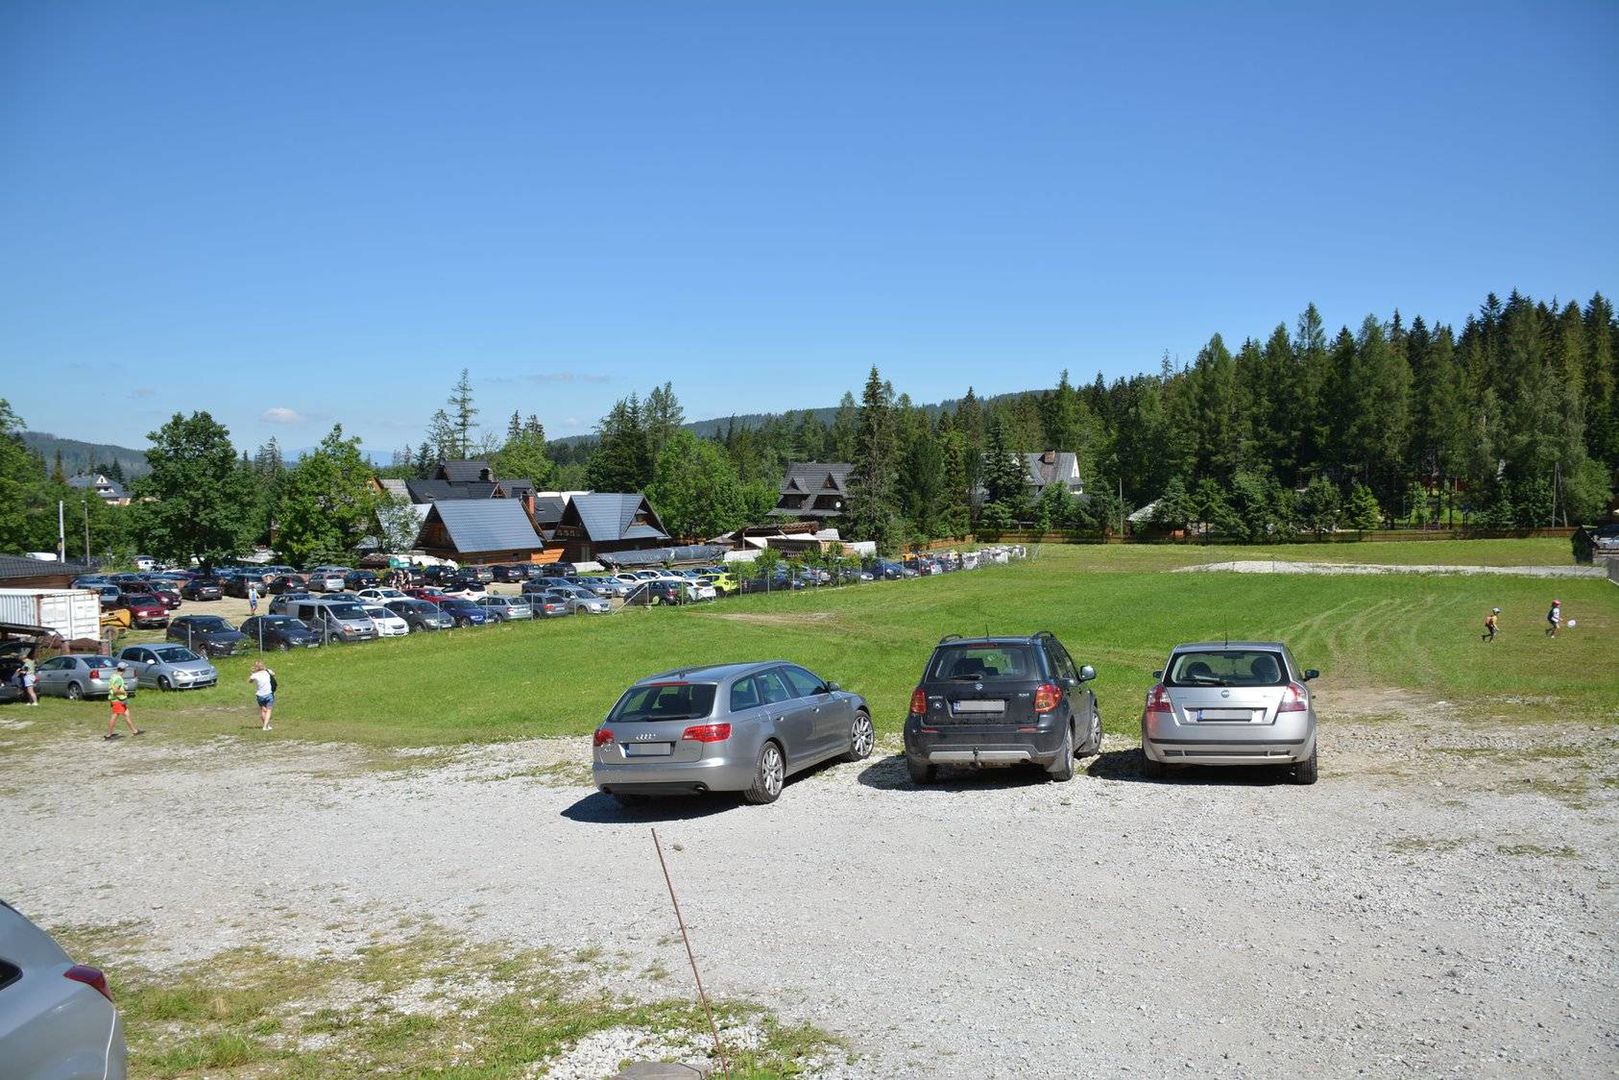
column 292, row 214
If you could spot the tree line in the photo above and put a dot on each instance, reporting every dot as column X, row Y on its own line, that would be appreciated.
column 1510, row 421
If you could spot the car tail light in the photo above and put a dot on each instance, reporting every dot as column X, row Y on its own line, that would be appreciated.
column 90, row 977
column 919, row 701
column 95, row 673
column 1046, row 697
column 603, row 736
column 1158, row 700
column 1293, row 699
column 707, row 732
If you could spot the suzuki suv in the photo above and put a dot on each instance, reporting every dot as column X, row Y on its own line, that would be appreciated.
column 1001, row 701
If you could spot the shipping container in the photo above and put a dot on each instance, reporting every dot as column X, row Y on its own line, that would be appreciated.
column 72, row 613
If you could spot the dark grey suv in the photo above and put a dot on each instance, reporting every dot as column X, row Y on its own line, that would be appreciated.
column 1001, row 701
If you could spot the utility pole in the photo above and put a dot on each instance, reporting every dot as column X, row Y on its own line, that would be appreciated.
column 87, row 528
column 61, row 533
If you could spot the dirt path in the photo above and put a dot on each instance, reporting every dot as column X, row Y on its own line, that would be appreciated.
column 1441, row 903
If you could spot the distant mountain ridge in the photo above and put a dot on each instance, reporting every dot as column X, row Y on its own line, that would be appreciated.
column 79, row 456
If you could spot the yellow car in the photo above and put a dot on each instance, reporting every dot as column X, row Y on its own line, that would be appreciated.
column 724, row 584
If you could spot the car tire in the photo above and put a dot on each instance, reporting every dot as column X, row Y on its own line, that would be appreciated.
column 922, row 772
column 1152, row 770
column 1093, row 738
column 1061, row 770
column 862, row 737
column 282, row 646
column 769, row 774
column 1306, row 772
column 163, row 683
column 75, row 692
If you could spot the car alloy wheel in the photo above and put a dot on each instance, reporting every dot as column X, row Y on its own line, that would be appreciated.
column 163, row 683
column 861, row 738
column 74, row 691
column 767, row 775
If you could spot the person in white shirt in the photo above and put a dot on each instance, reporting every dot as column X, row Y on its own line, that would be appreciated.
column 262, row 679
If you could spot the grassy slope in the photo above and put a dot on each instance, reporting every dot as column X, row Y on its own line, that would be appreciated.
column 1418, row 632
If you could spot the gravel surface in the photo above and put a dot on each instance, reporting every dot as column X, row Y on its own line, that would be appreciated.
column 1280, row 566
column 1441, row 903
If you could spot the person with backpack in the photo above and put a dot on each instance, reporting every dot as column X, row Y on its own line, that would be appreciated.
column 263, row 680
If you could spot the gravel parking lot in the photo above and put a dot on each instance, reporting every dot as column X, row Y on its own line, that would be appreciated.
column 1441, row 903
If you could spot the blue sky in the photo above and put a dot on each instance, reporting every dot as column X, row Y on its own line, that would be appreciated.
column 292, row 214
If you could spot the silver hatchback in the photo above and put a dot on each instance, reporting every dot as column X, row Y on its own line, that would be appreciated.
column 57, row 1020
column 1231, row 703
column 729, row 727
column 167, row 667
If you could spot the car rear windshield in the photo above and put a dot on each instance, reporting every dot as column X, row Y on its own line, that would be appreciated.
column 985, row 662
column 665, row 701
column 175, row 655
column 1227, row 667
column 346, row 611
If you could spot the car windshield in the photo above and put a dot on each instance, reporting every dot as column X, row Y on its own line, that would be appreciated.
column 345, row 611
column 984, row 662
column 1226, row 667
column 664, row 701
column 174, row 654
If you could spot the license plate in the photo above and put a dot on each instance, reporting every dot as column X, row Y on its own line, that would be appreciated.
column 1243, row 715
column 648, row 749
column 980, row 706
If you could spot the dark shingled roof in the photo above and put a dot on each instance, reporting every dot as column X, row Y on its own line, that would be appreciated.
column 425, row 491
column 486, row 525
column 20, row 566
column 463, row 472
column 548, row 509
column 609, row 517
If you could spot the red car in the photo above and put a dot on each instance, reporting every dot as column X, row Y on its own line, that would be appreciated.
column 144, row 611
column 430, row 593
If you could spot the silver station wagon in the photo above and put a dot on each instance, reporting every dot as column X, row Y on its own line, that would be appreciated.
column 1230, row 703
column 730, row 727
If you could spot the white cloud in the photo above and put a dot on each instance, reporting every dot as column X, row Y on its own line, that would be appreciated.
column 282, row 415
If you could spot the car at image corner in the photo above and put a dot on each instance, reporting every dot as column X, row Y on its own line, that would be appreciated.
column 464, row 612
column 1230, row 703
column 282, row 604
column 388, row 623
column 78, row 675
column 730, row 727
column 203, row 588
column 145, row 611
column 281, row 632
column 999, row 701
column 166, row 667
column 207, row 634
column 57, row 1019
column 419, row 614
column 505, row 608
column 1605, row 540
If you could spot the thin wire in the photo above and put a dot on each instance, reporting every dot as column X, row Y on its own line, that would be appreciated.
column 719, row 1047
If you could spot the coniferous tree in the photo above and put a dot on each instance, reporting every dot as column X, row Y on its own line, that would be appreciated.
column 463, row 417
column 623, row 459
column 873, row 506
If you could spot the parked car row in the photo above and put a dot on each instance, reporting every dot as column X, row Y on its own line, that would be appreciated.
column 980, row 703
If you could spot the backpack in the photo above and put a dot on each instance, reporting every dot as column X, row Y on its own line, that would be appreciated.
column 272, row 682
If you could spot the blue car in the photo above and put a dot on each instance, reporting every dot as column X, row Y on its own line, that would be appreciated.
column 464, row 612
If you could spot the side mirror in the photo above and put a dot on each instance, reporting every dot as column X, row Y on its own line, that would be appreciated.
column 1087, row 673
column 833, row 688
column 1311, row 673
column 1159, row 675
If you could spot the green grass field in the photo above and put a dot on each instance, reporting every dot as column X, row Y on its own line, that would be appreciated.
column 1114, row 607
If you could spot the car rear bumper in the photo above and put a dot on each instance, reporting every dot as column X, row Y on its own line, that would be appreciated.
column 1288, row 741
column 984, row 747
column 648, row 777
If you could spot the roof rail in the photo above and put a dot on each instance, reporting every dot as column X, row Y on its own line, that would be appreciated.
column 949, row 637
column 1045, row 633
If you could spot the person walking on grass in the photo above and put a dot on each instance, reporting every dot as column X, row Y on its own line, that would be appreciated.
column 252, row 599
column 263, row 680
column 1490, row 622
column 118, row 695
column 1554, row 618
